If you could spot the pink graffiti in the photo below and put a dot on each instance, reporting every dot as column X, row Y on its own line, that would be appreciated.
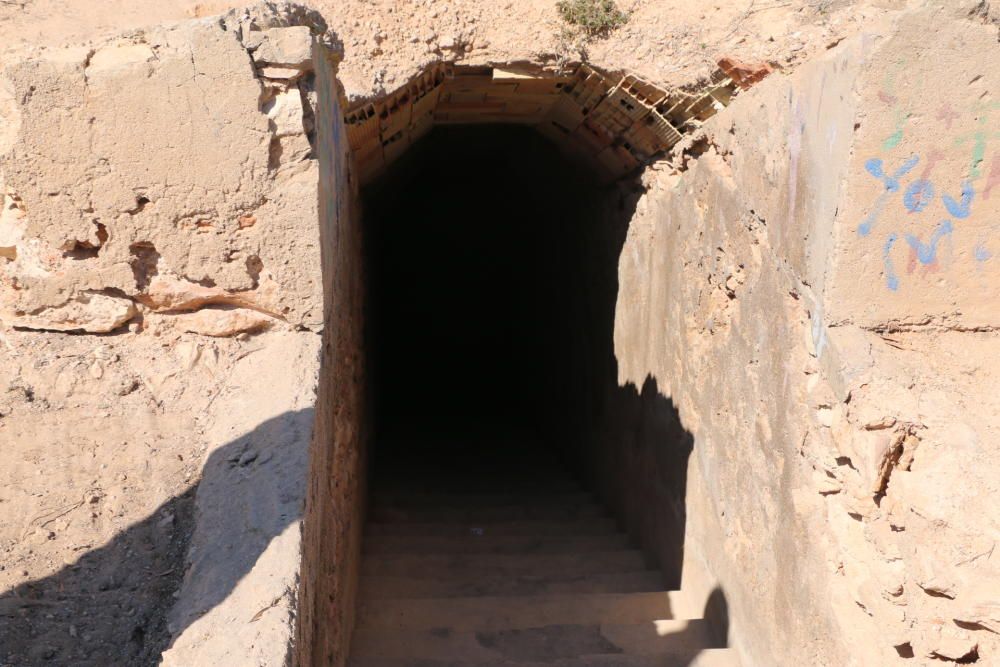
column 886, row 98
column 947, row 114
column 912, row 264
column 994, row 176
column 934, row 156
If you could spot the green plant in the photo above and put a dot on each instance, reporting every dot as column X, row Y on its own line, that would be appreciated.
column 593, row 17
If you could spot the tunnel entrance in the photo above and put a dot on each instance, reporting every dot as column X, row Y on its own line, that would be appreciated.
column 491, row 288
column 491, row 262
column 507, row 501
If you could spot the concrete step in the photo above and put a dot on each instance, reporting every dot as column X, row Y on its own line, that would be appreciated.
column 453, row 500
column 679, row 640
column 580, row 527
column 718, row 657
column 476, row 584
column 498, row 544
column 483, row 486
column 493, row 613
column 460, row 513
column 502, row 565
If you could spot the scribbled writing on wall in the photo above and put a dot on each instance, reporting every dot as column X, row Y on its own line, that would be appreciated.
column 923, row 215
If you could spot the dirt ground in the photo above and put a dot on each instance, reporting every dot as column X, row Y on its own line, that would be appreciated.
column 670, row 42
column 99, row 493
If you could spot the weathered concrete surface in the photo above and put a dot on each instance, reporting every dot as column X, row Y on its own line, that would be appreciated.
column 842, row 488
column 827, row 340
column 163, row 155
column 161, row 187
column 335, row 502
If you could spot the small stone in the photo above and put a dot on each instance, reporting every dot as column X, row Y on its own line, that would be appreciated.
column 223, row 322
column 104, row 353
column 281, row 73
column 954, row 648
column 939, row 587
column 285, row 112
column 983, row 609
column 92, row 312
column 879, row 424
column 744, row 74
column 290, row 47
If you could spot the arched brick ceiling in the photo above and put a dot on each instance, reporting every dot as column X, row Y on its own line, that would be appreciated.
column 615, row 123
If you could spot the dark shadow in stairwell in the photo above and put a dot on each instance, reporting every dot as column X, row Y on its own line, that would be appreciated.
column 494, row 290
column 111, row 606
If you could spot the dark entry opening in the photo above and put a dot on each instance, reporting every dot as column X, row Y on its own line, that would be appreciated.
column 520, row 498
column 492, row 280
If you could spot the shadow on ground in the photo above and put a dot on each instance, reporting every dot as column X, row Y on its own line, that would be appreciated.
column 112, row 605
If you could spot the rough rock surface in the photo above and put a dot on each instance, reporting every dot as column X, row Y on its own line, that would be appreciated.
column 672, row 42
column 159, row 188
column 178, row 285
column 846, row 501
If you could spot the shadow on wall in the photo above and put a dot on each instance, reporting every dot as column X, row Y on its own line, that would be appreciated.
column 111, row 606
column 640, row 444
column 627, row 443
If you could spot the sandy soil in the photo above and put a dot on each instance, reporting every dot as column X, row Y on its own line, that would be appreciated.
column 670, row 42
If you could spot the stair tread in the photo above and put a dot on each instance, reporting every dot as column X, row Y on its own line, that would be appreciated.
column 479, row 584
column 484, row 564
column 678, row 638
column 570, row 527
column 509, row 562
column 480, row 488
column 470, row 543
column 450, row 500
column 493, row 514
column 503, row 613
column 717, row 657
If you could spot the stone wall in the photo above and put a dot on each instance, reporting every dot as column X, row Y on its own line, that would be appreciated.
column 816, row 294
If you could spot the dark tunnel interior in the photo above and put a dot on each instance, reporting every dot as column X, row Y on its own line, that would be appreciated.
column 492, row 281
column 492, row 278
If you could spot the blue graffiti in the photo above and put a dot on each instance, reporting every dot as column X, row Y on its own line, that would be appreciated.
column 918, row 195
column 927, row 252
column 891, row 281
column 957, row 209
column 982, row 253
column 876, row 168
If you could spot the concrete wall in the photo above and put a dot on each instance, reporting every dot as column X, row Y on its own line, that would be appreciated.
column 336, row 499
column 816, row 295
column 806, row 315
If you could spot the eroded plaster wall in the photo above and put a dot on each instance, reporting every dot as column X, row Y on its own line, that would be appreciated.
column 162, row 314
column 816, row 295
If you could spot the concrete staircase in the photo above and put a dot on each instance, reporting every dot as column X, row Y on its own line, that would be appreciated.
column 514, row 569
